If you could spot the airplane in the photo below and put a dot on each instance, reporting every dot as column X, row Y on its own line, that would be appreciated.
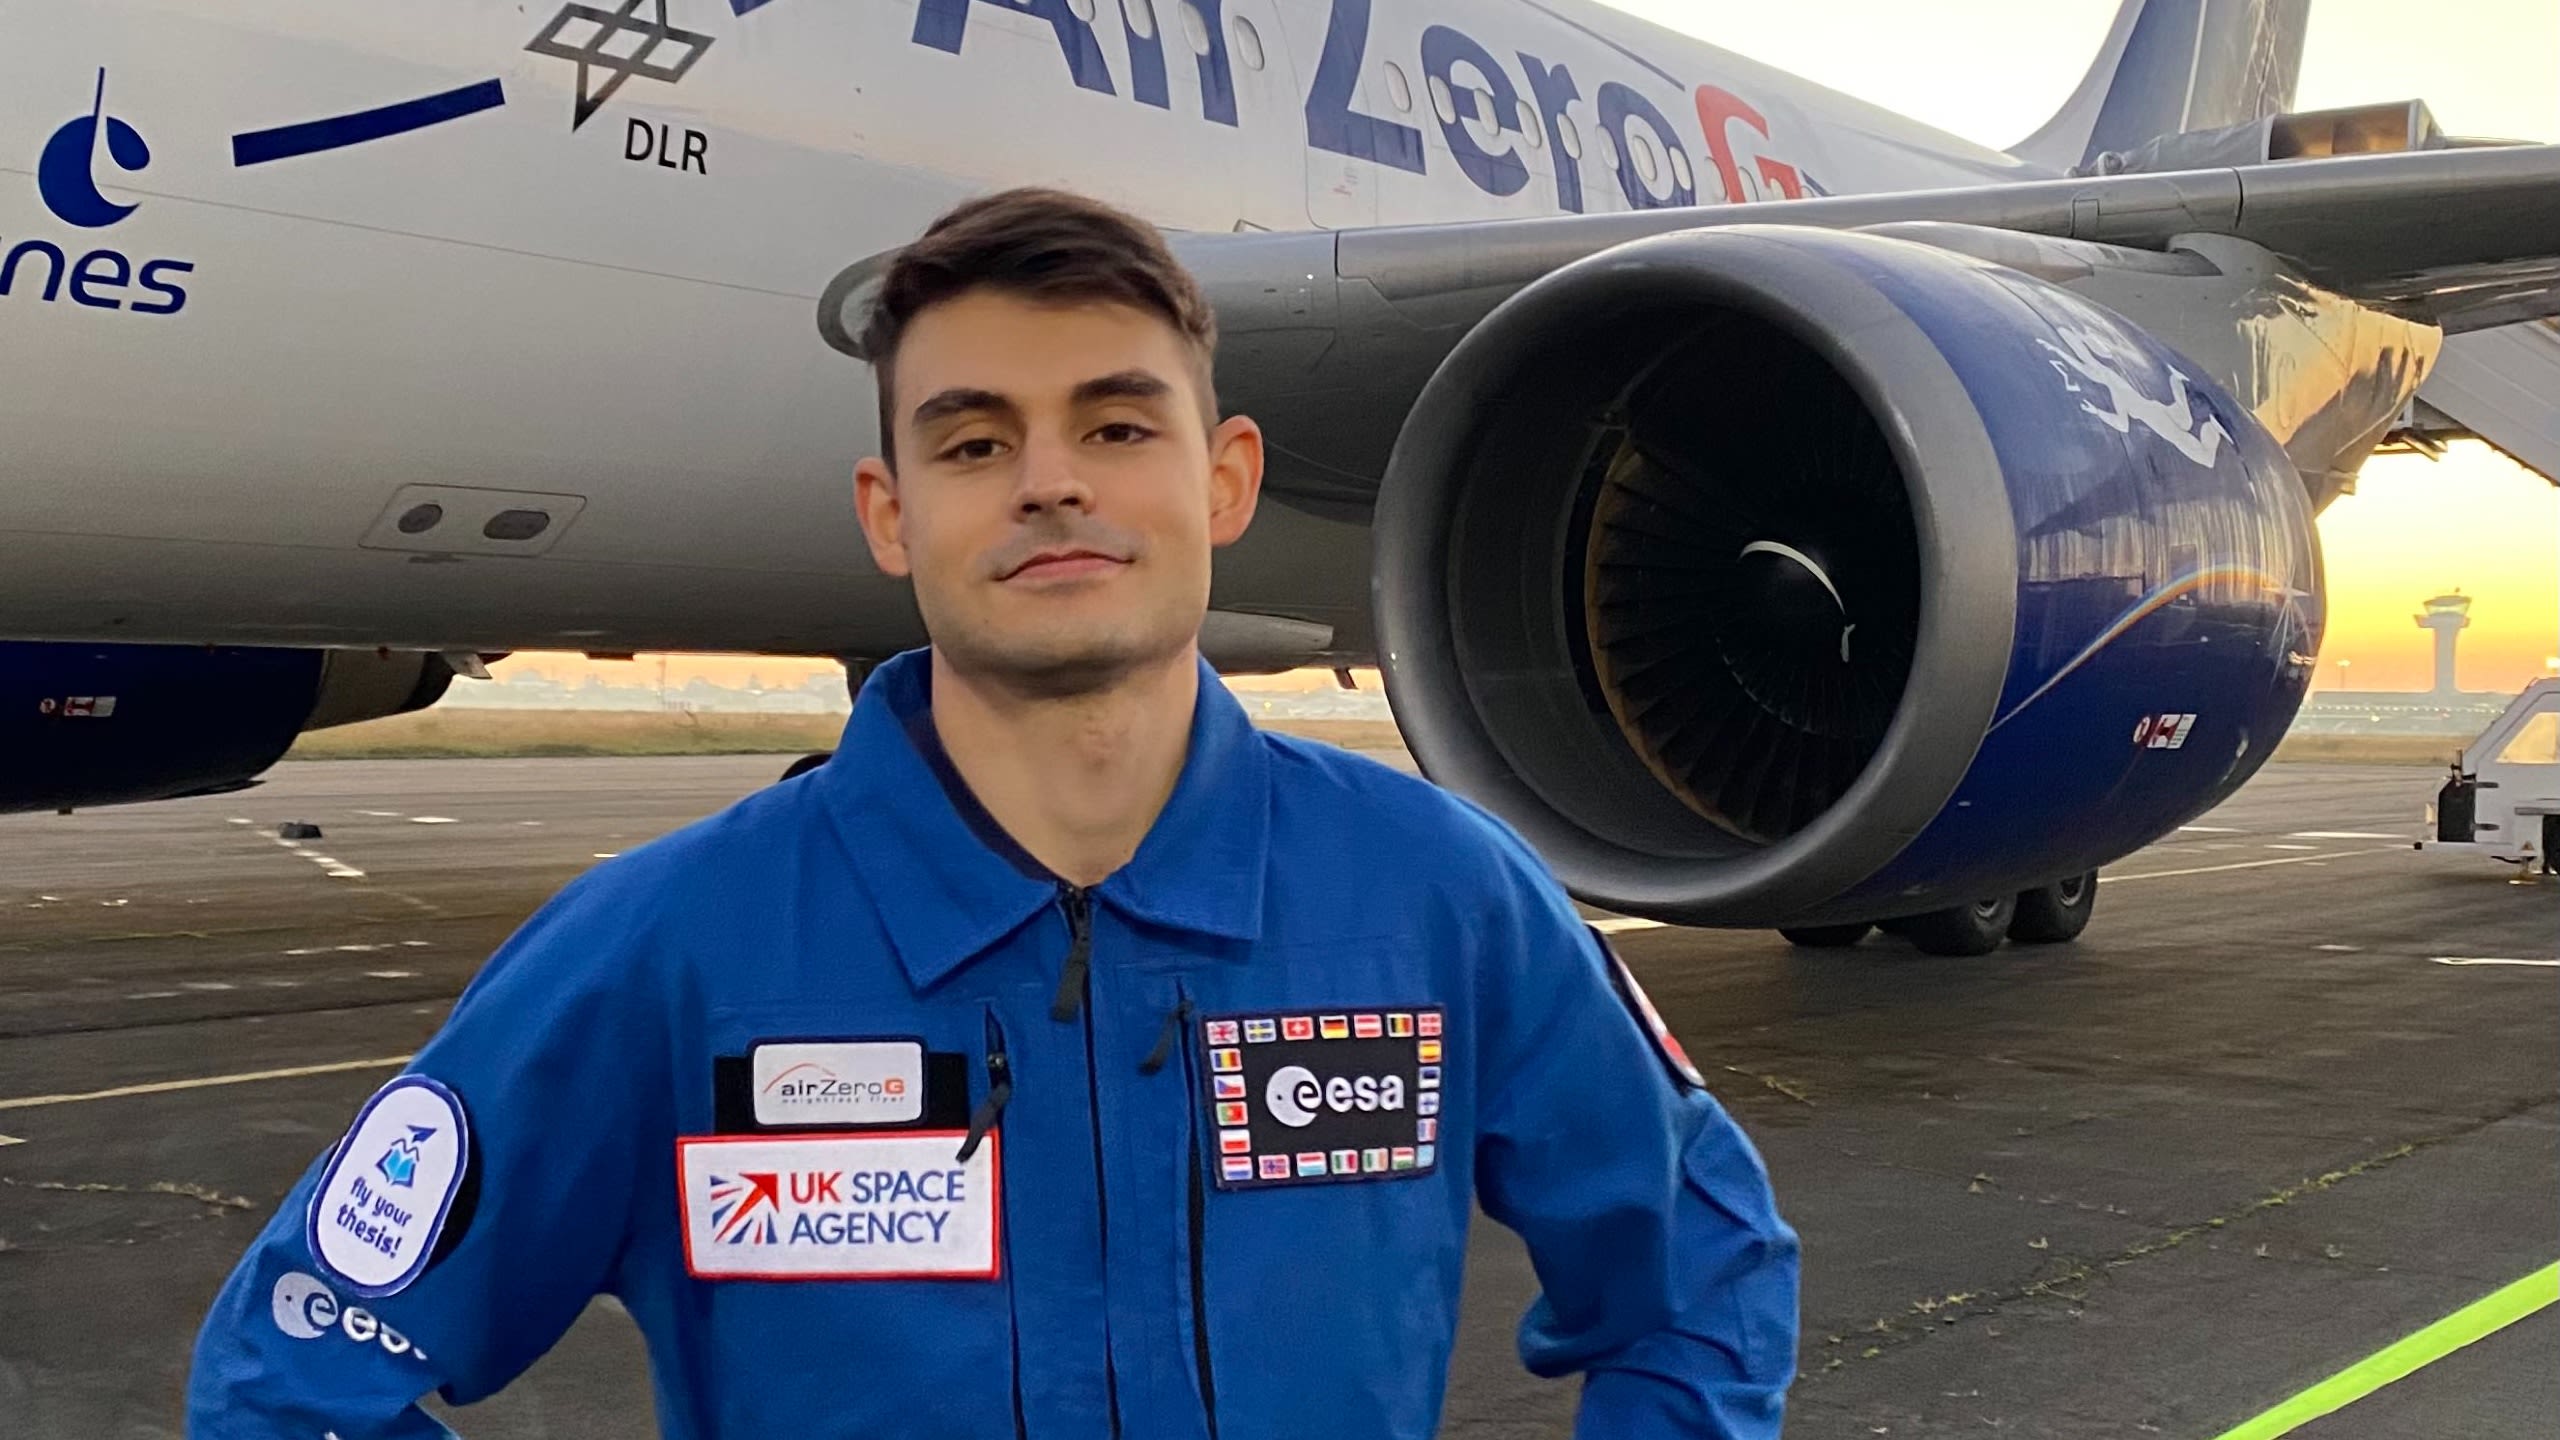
column 1782, row 513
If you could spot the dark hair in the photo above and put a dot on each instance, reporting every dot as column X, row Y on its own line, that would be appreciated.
column 1042, row 245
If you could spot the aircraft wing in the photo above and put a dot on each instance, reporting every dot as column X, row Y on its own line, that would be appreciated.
column 1328, row 336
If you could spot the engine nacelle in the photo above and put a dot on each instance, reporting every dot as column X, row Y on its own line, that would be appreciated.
column 88, row 725
column 1766, row 575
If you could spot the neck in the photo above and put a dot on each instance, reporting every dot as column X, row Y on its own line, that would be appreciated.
column 1076, row 780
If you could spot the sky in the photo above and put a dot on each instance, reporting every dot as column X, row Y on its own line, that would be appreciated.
column 1991, row 71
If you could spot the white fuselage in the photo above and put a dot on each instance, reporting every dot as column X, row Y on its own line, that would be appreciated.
column 614, row 324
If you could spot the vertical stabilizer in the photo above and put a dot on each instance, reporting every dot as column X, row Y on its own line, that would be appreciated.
column 2174, row 65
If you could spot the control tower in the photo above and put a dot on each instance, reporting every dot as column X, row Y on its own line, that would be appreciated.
column 2448, row 616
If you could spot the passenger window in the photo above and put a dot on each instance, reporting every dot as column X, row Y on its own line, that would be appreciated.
column 2537, row 743
column 1142, row 17
column 1530, row 129
column 1248, row 43
column 1399, row 89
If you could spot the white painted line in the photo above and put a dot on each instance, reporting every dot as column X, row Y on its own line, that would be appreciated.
column 2341, row 949
column 2293, row 847
column 391, row 974
column 381, row 814
column 2346, row 835
column 163, row 1087
column 153, row 995
column 242, row 820
column 416, row 944
column 608, row 854
column 2213, row 830
column 11, row 1140
column 2481, row 960
column 1620, row 924
column 2239, row 865
column 206, row 985
column 433, row 820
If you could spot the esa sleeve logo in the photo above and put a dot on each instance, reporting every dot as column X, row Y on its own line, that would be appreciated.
column 382, row 1202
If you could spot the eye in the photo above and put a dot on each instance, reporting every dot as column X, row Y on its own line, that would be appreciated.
column 972, row 450
column 1123, row 432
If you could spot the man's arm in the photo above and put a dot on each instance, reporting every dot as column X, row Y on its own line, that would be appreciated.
column 546, row 1087
column 1668, row 1277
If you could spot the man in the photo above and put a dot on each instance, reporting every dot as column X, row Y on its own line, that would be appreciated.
column 1063, row 1059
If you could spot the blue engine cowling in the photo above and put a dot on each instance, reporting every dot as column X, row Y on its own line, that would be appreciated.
column 84, row 725
column 1768, row 575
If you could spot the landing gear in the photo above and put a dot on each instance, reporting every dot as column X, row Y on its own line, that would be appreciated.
column 1975, row 929
column 2055, row 913
column 1826, row 937
column 807, row 763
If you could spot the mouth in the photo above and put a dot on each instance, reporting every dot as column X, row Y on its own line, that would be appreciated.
column 1072, row 563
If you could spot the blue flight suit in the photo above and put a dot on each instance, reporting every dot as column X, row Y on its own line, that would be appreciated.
column 1155, row 1273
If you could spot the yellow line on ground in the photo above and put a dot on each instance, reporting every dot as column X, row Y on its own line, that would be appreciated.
column 162, row 1087
column 2482, row 1317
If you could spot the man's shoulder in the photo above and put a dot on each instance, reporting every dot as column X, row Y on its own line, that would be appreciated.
column 731, row 850
column 1356, row 800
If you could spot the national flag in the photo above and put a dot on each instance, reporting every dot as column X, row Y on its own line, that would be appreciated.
column 1229, row 1061
column 1297, row 1027
column 1222, row 1032
column 1310, row 1162
column 1346, row 1162
column 1400, row 1158
column 1427, row 1023
column 1427, row 1051
column 1368, row 1027
column 1230, row 1087
column 1274, row 1167
column 1235, row 1142
column 1236, row 1167
column 1373, row 1161
column 1424, row 1156
column 1399, row 1026
column 1428, row 1078
column 1426, row 1129
column 1231, row 1112
column 1260, row 1032
column 1426, row 1103
column 1335, row 1027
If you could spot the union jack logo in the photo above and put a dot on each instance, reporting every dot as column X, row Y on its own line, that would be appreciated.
column 743, row 1210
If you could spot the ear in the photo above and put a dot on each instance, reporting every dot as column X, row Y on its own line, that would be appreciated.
column 1235, row 478
column 876, row 504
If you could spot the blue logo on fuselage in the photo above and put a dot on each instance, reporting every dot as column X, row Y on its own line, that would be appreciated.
column 67, row 177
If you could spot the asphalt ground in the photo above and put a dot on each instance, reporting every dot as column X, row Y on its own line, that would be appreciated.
column 2246, row 1132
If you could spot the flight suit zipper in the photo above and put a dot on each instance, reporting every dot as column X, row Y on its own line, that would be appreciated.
column 1075, row 987
column 1197, row 1205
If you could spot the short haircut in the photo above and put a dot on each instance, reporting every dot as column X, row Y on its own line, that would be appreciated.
column 1043, row 245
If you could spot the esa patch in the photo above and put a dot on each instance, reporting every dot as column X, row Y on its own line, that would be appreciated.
column 1640, row 1005
column 386, row 1193
column 1323, row 1097
column 889, row 1206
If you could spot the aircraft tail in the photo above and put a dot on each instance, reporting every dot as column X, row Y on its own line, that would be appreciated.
column 2175, row 65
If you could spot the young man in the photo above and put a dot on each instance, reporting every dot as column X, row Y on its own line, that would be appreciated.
column 1064, row 1058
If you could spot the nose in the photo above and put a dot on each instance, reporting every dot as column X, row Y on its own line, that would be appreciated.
column 1049, row 478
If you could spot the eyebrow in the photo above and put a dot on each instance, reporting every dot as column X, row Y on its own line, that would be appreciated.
column 1132, row 384
column 959, row 401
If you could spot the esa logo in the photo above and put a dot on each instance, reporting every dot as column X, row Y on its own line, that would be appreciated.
column 306, row 1310
column 67, row 172
column 1295, row 1097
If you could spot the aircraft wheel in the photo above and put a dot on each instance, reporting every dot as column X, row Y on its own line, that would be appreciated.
column 807, row 763
column 2055, row 913
column 1826, row 937
column 1975, row 929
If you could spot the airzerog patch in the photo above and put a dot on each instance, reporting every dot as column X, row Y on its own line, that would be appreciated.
column 1302, row 1097
column 382, row 1202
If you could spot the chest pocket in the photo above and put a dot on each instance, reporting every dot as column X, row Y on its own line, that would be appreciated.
column 834, row 1231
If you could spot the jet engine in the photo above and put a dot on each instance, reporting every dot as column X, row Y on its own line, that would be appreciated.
column 105, row 724
column 1764, row 575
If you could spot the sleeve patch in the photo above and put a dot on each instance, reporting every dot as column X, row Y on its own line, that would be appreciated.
column 1640, row 1005
column 380, row 1206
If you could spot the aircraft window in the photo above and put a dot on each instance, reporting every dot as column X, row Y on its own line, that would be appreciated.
column 1530, row 129
column 1640, row 145
column 1442, row 104
column 2537, row 743
column 419, row 519
column 1571, row 134
column 1680, row 175
column 1399, row 89
column 1141, row 15
column 1083, row 10
column 1248, row 43
column 1488, row 122
column 1607, row 147
column 1195, row 28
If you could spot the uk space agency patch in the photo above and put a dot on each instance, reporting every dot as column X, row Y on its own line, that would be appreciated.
column 385, row 1197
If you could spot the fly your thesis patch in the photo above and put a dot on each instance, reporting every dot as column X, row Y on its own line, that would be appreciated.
column 892, row 1206
column 382, row 1202
column 1301, row 1098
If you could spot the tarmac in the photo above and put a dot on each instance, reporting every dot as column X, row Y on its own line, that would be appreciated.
column 2252, row 1128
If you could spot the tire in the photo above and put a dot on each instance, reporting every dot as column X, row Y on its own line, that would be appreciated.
column 1826, row 937
column 2055, row 914
column 807, row 763
column 1975, row 929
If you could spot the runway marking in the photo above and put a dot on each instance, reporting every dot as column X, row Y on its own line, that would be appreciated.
column 608, row 854
column 2346, row 835
column 330, row 865
column 153, row 995
column 207, row 985
column 11, row 1140
column 2213, row 830
column 391, row 974
column 2478, row 960
column 2397, row 1361
column 2341, row 949
column 1620, row 924
column 433, row 820
column 382, row 814
column 162, row 1087
column 2243, row 865
column 2293, row 847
